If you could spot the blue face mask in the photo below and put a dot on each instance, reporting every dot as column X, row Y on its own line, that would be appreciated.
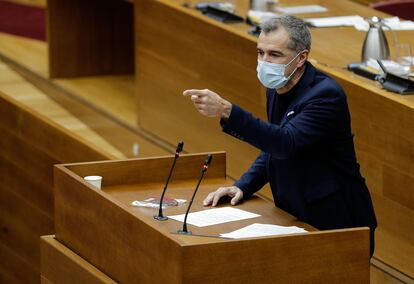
column 272, row 75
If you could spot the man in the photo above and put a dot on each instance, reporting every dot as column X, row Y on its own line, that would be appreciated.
column 307, row 151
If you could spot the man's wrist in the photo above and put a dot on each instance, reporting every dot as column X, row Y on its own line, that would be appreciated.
column 226, row 109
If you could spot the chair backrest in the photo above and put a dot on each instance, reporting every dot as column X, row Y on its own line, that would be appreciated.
column 400, row 8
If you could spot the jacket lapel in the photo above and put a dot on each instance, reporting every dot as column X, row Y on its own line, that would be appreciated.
column 300, row 92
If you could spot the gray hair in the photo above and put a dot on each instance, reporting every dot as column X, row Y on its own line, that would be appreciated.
column 299, row 35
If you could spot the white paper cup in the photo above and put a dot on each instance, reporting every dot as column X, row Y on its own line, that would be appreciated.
column 96, row 181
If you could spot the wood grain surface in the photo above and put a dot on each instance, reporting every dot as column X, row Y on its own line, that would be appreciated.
column 61, row 265
column 207, row 53
column 90, row 37
column 132, row 246
column 30, row 145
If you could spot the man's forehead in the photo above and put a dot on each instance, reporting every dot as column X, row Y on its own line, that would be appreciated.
column 274, row 40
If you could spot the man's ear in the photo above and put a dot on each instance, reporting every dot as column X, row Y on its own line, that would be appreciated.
column 303, row 56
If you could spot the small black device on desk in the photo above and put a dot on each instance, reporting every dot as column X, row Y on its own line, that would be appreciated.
column 395, row 83
column 362, row 70
column 389, row 81
column 217, row 14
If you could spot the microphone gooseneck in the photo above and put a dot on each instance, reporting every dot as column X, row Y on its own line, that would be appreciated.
column 160, row 216
column 206, row 164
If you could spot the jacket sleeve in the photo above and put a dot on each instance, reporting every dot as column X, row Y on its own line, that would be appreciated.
column 255, row 178
column 315, row 120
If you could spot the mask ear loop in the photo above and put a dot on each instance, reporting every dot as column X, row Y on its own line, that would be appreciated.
column 293, row 72
column 294, row 58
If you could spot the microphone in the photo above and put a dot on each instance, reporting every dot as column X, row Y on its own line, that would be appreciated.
column 160, row 216
column 207, row 162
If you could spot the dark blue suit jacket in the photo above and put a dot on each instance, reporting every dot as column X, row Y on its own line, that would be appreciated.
column 309, row 159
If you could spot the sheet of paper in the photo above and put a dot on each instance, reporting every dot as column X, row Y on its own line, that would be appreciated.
column 215, row 216
column 305, row 9
column 359, row 23
column 262, row 230
column 336, row 21
column 393, row 23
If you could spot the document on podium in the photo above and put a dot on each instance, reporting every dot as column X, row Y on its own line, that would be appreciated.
column 215, row 216
column 262, row 230
column 303, row 9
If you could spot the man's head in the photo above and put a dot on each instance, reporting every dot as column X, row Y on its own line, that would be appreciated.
column 296, row 29
column 281, row 40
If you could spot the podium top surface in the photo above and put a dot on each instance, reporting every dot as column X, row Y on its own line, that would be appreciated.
column 184, row 190
column 126, row 181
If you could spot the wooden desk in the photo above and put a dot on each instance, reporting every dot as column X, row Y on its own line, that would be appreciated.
column 29, row 147
column 61, row 265
column 130, row 246
column 178, row 48
column 192, row 51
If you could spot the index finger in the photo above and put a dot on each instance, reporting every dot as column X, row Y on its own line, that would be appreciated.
column 194, row 92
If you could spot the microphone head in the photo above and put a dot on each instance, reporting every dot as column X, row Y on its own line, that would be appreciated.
column 180, row 147
column 208, row 160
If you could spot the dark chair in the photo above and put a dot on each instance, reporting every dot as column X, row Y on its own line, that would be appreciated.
column 400, row 8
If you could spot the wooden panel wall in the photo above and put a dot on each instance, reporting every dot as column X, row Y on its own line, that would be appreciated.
column 90, row 37
column 29, row 147
column 187, row 51
column 384, row 140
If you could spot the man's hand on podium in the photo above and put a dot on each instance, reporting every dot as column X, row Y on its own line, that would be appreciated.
column 235, row 193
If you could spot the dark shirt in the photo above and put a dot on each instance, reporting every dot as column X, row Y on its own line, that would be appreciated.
column 280, row 105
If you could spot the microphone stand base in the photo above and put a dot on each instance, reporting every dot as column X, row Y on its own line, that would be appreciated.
column 160, row 218
column 181, row 232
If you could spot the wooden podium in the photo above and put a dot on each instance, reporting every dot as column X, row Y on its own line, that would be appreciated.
column 129, row 246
